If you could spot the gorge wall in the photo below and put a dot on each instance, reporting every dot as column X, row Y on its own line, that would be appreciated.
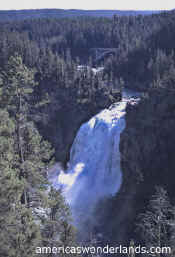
column 147, row 158
column 63, row 122
column 147, row 147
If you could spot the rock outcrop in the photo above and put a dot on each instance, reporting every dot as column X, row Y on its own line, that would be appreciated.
column 147, row 147
column 63, row 122
column 147, row 153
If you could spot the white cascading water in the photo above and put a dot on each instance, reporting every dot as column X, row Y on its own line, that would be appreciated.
column 94, row 170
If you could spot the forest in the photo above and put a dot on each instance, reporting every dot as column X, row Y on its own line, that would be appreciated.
column 62, row 13
column 43, row 90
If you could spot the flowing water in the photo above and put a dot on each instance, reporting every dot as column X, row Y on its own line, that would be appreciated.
column 94, row 170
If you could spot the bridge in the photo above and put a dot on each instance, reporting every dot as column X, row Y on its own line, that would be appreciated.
column 99, row 54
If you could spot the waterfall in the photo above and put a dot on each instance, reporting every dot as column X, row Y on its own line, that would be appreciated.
column 94, row 170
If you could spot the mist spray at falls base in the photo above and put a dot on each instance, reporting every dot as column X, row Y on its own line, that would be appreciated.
column 94, row 170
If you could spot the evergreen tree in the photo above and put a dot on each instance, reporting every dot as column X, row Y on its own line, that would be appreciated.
column 32, row 215
column 154, row 223
column 19, row 234
column 57, row 230
column 32, row 152
column 25, row 172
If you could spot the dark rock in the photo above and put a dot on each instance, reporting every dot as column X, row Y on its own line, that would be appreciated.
column 64, row 121
column 147, row 147
column 147, row 155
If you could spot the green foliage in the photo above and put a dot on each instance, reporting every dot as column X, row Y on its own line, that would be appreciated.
column 48, row 52
column 155, row 222
column 56, row 228
column 18, row 83
column 24, row 160
column 19, row 234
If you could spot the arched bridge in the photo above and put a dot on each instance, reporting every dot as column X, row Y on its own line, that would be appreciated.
column 99, row 54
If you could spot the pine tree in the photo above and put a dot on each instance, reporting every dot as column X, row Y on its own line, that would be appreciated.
column 32, row 152
column 172, row 230
column 154, row 223
column 57, row 230
column 32, row 215
column 25, row 173
column 19, row 234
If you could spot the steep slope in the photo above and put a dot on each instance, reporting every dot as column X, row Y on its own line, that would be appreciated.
column 147, row 149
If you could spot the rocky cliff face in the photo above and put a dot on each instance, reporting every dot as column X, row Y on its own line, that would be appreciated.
column 63, row 122
column 147, row 148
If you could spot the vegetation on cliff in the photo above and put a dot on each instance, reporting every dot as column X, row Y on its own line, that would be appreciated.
column 44, row 92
